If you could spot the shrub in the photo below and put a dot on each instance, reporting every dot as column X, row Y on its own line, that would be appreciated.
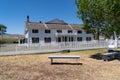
column 2, row 42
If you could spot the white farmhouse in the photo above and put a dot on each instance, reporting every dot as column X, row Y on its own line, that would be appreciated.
column 53, row 32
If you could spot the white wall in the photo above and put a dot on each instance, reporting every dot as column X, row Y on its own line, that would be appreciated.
column 84, row 35
column 42, row 35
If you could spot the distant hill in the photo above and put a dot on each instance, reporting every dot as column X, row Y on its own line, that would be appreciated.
column 12, row 36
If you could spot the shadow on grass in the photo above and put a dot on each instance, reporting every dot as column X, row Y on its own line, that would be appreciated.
column 97, row 56
column 61, row 63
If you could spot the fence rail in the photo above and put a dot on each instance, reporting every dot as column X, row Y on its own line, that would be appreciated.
column 13, row 49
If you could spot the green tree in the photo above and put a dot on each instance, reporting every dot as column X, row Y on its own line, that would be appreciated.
column 91, row 12
column 113, row 14
column 99, row 16
column 2, row 30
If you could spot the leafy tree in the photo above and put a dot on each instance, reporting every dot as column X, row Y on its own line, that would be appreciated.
column 99, row 16
column 2, row 30
column 91, row 13
column 113, row 14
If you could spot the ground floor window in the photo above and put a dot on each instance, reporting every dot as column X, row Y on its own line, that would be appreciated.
column 64, row 39
column 35, row 40
column 47, row 40
column 23, row 40
column 79, row 38
column 70, row 39
column 67, row 39
column 58, row 39
column 88, row 38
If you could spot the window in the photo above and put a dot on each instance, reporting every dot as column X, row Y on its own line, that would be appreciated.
column 79, row 31
column 70, row 31
column 35, row 40
column 59, row 31
column 70, row 39
column 58, row 39
column 79, row 38
column 23, row 40
column 35, row 31
column 88, row 38
column 47, row 40
column 47, row 31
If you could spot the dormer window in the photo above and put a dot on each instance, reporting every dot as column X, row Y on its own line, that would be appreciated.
column 35, row 31
column 70, row 31
column 47, row 31
column 59, row 31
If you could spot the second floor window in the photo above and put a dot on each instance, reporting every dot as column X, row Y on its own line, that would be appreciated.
column 47, row 31
column 35, row 31
column 79, row 32
column 70, row 31
column 59, row 31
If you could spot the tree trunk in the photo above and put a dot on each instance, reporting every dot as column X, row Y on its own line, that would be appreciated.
column 98, row 34
column 1, row 35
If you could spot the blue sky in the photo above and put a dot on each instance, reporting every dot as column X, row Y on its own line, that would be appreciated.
column 13, row 12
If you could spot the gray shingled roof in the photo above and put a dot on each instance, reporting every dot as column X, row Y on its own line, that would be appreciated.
column 56, row 21
column 53, row 24
column 35, row 25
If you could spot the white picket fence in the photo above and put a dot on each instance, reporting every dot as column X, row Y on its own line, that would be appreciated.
column 13, row 49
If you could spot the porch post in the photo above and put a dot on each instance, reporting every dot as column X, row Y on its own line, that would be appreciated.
column 67, row 38
column 18, row 41
column 56, row 40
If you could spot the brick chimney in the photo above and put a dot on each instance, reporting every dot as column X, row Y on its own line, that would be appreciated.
column 28, row 19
